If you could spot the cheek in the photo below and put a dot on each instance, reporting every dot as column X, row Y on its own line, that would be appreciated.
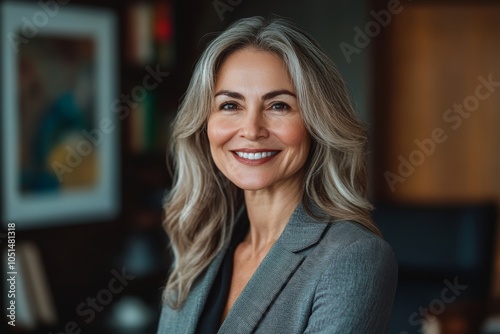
column 218, row 132
column 295, row 134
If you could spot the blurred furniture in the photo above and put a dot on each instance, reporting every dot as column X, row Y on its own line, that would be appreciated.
column 445, row 263
column 432, row 60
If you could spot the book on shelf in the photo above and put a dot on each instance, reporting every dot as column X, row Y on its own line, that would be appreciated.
column 150, row 34
column 143, row 124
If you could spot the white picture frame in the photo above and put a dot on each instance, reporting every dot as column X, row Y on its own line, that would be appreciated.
column 30, row 196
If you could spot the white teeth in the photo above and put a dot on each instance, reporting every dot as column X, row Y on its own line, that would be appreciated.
column 255, row 156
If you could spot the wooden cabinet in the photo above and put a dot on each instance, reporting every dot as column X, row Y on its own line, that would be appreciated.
column 437, row 106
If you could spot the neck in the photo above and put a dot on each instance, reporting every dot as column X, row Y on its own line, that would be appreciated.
column 269, row 211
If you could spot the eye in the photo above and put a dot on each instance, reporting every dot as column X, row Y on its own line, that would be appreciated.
column 228, row 106
column 280, row 106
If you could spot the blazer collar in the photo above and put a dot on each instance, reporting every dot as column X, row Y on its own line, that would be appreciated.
column 302, row 231
column 197, row 297
column 275, row 270
column 191, row 311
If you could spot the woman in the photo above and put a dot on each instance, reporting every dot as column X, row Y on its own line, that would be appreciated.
column 268, row 221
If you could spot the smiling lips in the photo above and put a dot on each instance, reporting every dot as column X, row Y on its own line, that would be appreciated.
column 254, row 157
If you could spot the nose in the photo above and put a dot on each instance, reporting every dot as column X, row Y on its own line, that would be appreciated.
column 253, row 125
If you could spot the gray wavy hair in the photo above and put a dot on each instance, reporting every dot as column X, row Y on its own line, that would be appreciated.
column 200, row 208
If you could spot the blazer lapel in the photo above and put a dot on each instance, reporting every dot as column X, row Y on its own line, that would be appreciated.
column 195, row 302
column 260, row 291
column 272, row 274
column 197, row 297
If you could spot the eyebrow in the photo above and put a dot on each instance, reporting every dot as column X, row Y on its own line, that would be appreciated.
column 267, row 96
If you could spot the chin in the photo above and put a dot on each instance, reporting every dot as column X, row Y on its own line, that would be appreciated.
column 251, row 185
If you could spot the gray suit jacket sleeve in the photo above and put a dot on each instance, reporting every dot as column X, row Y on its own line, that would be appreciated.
column 355, row 292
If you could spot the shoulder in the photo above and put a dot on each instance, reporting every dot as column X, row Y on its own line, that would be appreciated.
column 353, row 243
column 354, row 258
column 354, row 236
column 355, row 277
column 338, row 248
column 333, row 240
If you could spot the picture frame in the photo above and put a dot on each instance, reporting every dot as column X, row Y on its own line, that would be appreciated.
column 59, row 135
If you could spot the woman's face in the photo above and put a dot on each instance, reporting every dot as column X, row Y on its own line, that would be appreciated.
column 257, row 136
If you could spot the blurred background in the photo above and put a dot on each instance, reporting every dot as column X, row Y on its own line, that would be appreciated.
column 424, row 76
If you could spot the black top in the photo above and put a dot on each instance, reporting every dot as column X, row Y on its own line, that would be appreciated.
column 210, row 319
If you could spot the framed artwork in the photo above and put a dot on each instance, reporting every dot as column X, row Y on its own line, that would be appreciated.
column 59, row 136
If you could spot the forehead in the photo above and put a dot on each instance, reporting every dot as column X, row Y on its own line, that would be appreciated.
column 250, row 67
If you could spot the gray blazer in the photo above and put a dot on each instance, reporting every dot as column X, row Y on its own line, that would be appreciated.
column 317, row 278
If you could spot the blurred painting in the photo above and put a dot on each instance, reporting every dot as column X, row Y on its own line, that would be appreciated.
column 59, row 134
column 57, row 108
